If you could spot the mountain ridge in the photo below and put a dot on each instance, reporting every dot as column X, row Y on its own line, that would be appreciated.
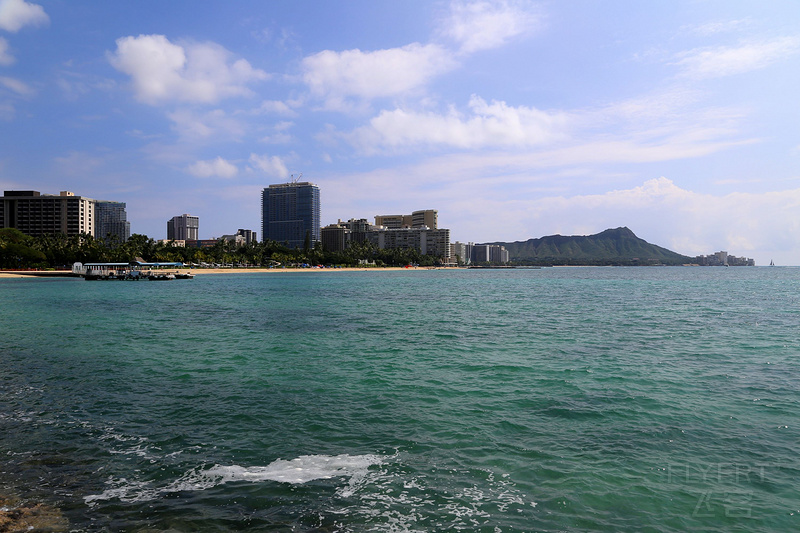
column 614, row 246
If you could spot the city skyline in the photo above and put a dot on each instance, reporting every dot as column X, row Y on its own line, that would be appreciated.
column 514, row 119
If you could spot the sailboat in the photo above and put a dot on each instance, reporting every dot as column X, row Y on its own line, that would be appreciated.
column 771, row 263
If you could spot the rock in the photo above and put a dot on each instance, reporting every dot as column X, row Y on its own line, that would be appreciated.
column 16, row 516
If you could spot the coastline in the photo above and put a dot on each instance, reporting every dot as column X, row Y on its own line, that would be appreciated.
column 11, row 274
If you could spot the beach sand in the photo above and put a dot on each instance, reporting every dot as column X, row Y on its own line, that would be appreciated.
column 203, row 271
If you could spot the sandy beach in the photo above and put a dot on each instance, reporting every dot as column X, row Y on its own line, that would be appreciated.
column 202, row 271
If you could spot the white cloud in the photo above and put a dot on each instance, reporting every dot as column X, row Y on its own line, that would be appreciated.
column 17, row 86
column 163, row 71
column 15, row 14
column 272, row 167
column 275, row 106
column 213, row 168
column 191, row 125
column 482, row 25
column 667, row 125
column 337, row 76
column 489, row 125
column 280, row 134
column 519, row 207
column 5, row 55
column 715, row 62
column 726, row 26
column 683, row 220
column 277, row 138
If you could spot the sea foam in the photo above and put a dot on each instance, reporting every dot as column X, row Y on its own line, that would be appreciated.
column 295, row 471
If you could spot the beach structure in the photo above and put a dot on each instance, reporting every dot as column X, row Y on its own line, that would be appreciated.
column 132, row 271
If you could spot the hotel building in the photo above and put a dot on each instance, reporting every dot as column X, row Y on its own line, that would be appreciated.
column 417, row 219
column 290, row 214
column 433, row 242
column 183, row 228
column 35, row 214
column 489, row 253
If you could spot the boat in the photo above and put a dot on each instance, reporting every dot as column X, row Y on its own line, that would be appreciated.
column 161, row 277
column 771, row 263
column 184, row 275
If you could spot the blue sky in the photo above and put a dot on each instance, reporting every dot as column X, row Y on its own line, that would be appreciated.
column 513, row 119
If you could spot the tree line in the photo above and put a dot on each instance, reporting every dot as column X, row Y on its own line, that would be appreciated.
column 20, row 251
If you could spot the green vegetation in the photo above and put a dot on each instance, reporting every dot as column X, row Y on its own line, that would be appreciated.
column 19, row 251
column 16, row 250
column 611, row 247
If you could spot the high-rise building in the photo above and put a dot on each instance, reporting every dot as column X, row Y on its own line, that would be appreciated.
column 393, row 221
column 248, row 235
column 111, row 219
column 183, row 228
column 461, row 252
column 34, row 213
column 428, row 218
column 489, row 253
column 290, row 214
column 418, row 219
column 434, row 242
column 334, row 237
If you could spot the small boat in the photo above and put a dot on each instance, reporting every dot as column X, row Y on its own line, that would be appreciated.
column 161, row 277
column 185, row 275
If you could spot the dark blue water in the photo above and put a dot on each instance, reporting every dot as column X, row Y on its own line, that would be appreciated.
column 605, row 399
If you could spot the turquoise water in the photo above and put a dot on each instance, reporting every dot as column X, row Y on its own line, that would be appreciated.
column 562, row 399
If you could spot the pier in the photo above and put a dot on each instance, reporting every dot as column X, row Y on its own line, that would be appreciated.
column 133, row 271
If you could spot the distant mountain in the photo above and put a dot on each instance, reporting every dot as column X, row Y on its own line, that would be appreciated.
column 611, row 247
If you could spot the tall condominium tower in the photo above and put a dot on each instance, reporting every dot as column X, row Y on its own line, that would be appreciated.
column 290, row 214
column 111, row 219
column 183, row 228
column 34, row 213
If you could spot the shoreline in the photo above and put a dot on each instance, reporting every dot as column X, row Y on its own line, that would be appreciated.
column 17, row 274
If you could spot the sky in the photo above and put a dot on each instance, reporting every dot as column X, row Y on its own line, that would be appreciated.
column 514, row 119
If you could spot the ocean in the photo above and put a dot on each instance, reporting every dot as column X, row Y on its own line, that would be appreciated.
column 556, row 399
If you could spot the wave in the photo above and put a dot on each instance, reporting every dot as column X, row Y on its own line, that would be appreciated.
column 295, row 471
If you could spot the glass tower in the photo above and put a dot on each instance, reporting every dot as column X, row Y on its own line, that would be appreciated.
column 111, row 219
column 290, row 214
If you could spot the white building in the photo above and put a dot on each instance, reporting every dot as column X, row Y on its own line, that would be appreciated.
column 183, row 228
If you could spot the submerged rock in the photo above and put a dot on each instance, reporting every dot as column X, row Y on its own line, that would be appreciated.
column 28, row 516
